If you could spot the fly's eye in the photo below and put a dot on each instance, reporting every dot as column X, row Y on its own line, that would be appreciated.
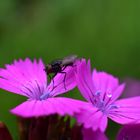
column 48, row 67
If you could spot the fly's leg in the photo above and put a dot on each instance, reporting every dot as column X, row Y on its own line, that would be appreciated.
column 62, row 72
column 52, row 78
column 64, row 78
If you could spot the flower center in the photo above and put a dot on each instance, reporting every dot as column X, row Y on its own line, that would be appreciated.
column 45, row 96
column 103, row 102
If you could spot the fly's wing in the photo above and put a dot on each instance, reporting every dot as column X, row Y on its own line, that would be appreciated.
column 69, row 60
column 56, row 62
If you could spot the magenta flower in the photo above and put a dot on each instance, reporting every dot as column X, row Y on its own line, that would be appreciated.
column 102, row 90
column 28, row 78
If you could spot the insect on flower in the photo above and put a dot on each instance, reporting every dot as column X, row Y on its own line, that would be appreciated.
column 58, row 66
column 27, row 78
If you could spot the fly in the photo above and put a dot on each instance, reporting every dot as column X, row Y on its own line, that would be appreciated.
column 58, row 66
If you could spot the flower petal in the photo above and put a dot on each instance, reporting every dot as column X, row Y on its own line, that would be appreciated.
column 24, row 77
column 117, row 93
column 89, row 134
column 62, row 106
column 108, row 86
column 91, row 117
column 128, row 111
column 104, row 81
column 84, row 80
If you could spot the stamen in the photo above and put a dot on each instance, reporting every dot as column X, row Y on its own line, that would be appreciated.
column 97, row 101
column 44, row 96
column 113, row 106
column 98, row 93
column 100, row 104
column 109, row 93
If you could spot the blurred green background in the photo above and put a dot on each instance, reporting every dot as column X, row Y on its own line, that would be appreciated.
column 107, row 32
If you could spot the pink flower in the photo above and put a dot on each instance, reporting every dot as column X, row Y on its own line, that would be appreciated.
column 28, row 78
column 101, row 90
